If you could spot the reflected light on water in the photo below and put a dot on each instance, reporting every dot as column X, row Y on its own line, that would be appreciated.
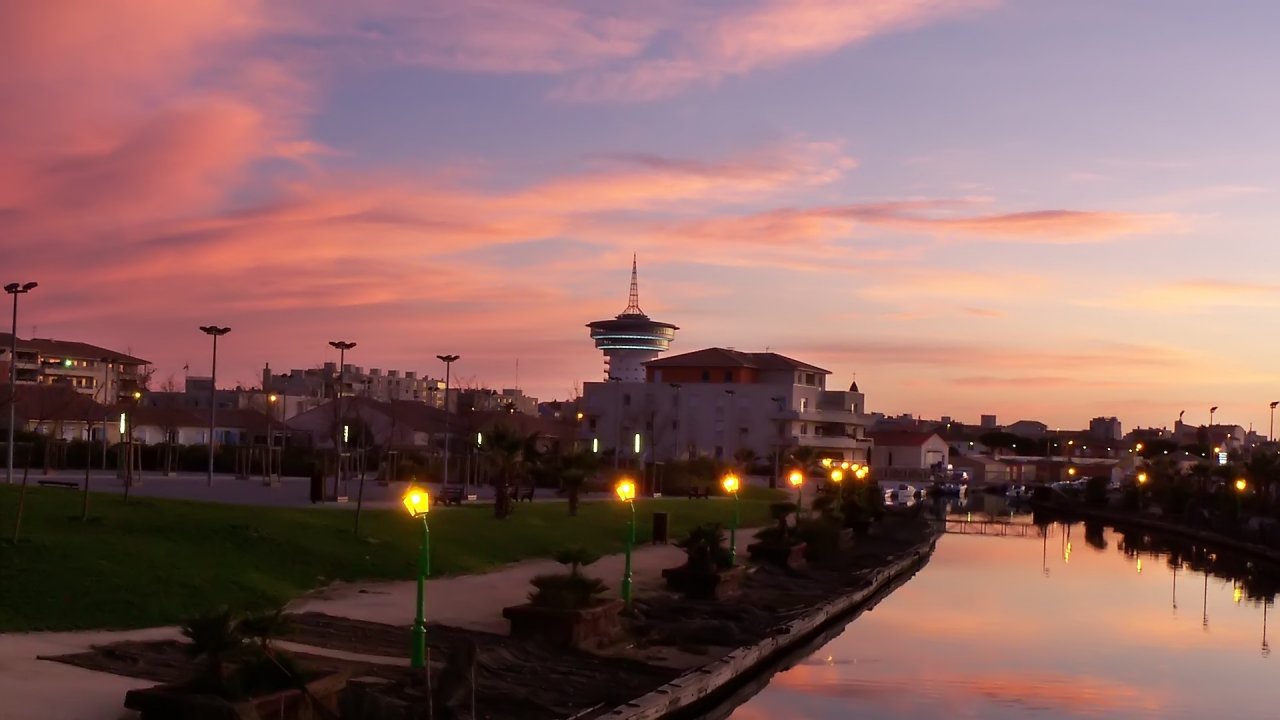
column 985, row 630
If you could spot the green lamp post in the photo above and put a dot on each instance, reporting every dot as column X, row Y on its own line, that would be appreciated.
column 418, row 503
column 626, row 490
column 730, row 484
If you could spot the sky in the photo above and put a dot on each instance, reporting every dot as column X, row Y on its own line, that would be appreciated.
column 1030, row 208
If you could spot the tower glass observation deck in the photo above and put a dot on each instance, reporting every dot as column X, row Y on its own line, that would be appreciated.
column 631, row 339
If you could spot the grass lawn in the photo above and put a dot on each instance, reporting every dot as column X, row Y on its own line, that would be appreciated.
column 155, row 562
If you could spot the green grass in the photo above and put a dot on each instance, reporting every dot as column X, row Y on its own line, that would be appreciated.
column 155, row 562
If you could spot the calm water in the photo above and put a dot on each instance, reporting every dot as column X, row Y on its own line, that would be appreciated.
column 1076, row 623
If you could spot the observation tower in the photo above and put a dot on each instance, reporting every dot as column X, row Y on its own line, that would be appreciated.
column 631, row 339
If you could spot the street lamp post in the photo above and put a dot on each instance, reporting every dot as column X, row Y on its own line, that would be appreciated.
column 215, row 332
column 1271, row 434
column 730, row 484
column 837, row 477
column 418, row 503
column 448, row 361
column 796, row 479
column 14, row 289
column 339, row 429
column 777, row 452
column 626, row 490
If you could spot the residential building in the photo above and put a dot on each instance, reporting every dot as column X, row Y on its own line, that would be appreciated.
column 320, row 383
column 989, row 422
column 907, row 455
column 716, row 402
column 1031, row 429
column 103, row 374
column 1105, row 428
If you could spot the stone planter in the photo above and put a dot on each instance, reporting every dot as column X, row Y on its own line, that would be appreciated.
column 173, row 702
column 593, row 626
column 705, row 586
column 791, row 556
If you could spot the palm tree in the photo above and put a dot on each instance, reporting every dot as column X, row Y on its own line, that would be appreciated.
column 505, row 451
column 745, row 458
column 806, row 460
column 574, row 468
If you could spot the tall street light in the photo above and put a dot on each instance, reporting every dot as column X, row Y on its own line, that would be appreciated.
column 215, row 332
column 339, row 432
column 675, row 455
column 418, row 503
column 14, row 289
column 730, row 484
column 626, row 490
column 1271, row 434
column 448, row 361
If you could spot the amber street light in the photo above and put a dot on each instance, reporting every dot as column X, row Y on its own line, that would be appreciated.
column 418, row 503
column 1241, row 484
column 1142, row 478
column 626, row 490
column 796, row 479
column 862, row 472
column 730, row 485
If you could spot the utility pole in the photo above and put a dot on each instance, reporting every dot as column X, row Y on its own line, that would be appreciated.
column 1271, row 434
column 342, row 347
column 14, row 289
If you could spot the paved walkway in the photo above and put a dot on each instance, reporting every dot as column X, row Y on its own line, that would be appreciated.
column 33, row 689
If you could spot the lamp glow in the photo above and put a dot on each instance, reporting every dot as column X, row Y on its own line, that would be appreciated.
column 626, row 490
column 826, row 462
column 862, row 473
column 796, row 478
column 635, row 444
column 1241, row 484
column 837, row 475
column 1142, row 478
column 417, row 502
column 730, row 483
column 844, row 465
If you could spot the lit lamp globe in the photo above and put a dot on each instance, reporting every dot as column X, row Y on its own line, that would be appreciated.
column 837, row 475
column 1241, row 484
column 861, row 473
column 1142, row 478
column 626, row 490
column 417, row 502
column 826, row 462
column 730, row 483
column 796, row 479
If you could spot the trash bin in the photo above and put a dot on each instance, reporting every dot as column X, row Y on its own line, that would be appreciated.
column 661, row 531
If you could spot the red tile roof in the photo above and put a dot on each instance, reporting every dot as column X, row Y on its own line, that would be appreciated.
column 900, row 438
column 723, row 357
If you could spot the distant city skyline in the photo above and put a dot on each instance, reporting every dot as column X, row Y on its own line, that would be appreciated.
column 1045, row 211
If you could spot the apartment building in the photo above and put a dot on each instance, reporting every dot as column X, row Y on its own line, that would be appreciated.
column 716, row 402
column 105, row 375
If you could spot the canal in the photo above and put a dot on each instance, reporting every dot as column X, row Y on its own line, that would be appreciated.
column 1050, row 621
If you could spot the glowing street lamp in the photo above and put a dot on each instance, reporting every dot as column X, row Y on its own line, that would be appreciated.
column 1142, row 478
column 626, row 490
column 730, row 485
column 796, row 480
column 418, row 503
column 862, row 472
column 1241, row 484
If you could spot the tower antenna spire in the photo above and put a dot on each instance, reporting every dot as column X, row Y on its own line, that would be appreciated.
column 633, row 300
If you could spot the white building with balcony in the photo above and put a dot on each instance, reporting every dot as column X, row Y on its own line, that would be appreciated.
column 717, row 402
column 105, row 375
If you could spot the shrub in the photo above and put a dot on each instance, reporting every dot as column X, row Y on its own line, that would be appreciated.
column 821, row 537
column 239, row 660
column 571, row 590
column 705, row 551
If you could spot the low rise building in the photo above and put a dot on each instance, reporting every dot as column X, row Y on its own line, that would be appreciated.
column 898, row 454
column 103, row 374
column 718, row 402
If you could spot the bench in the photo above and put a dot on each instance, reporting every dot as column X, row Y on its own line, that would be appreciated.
column 70, row 484
column 696, row 493
column 451, row 496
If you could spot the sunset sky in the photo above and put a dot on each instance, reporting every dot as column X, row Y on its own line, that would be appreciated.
column 1032, row 208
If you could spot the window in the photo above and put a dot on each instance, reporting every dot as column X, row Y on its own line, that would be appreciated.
column 804, row 428
column 804, row 404
column 706, row 376
column 626, row 399
column 810, row 379
column 591, row 424
column 728, row 376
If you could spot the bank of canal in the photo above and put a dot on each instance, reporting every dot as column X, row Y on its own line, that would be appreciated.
column 1081, row 621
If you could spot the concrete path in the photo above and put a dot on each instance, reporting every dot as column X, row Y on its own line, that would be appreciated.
column 33, row 689
column 476, row 601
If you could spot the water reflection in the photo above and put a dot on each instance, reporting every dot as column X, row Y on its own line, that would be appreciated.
column 1090, row 628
